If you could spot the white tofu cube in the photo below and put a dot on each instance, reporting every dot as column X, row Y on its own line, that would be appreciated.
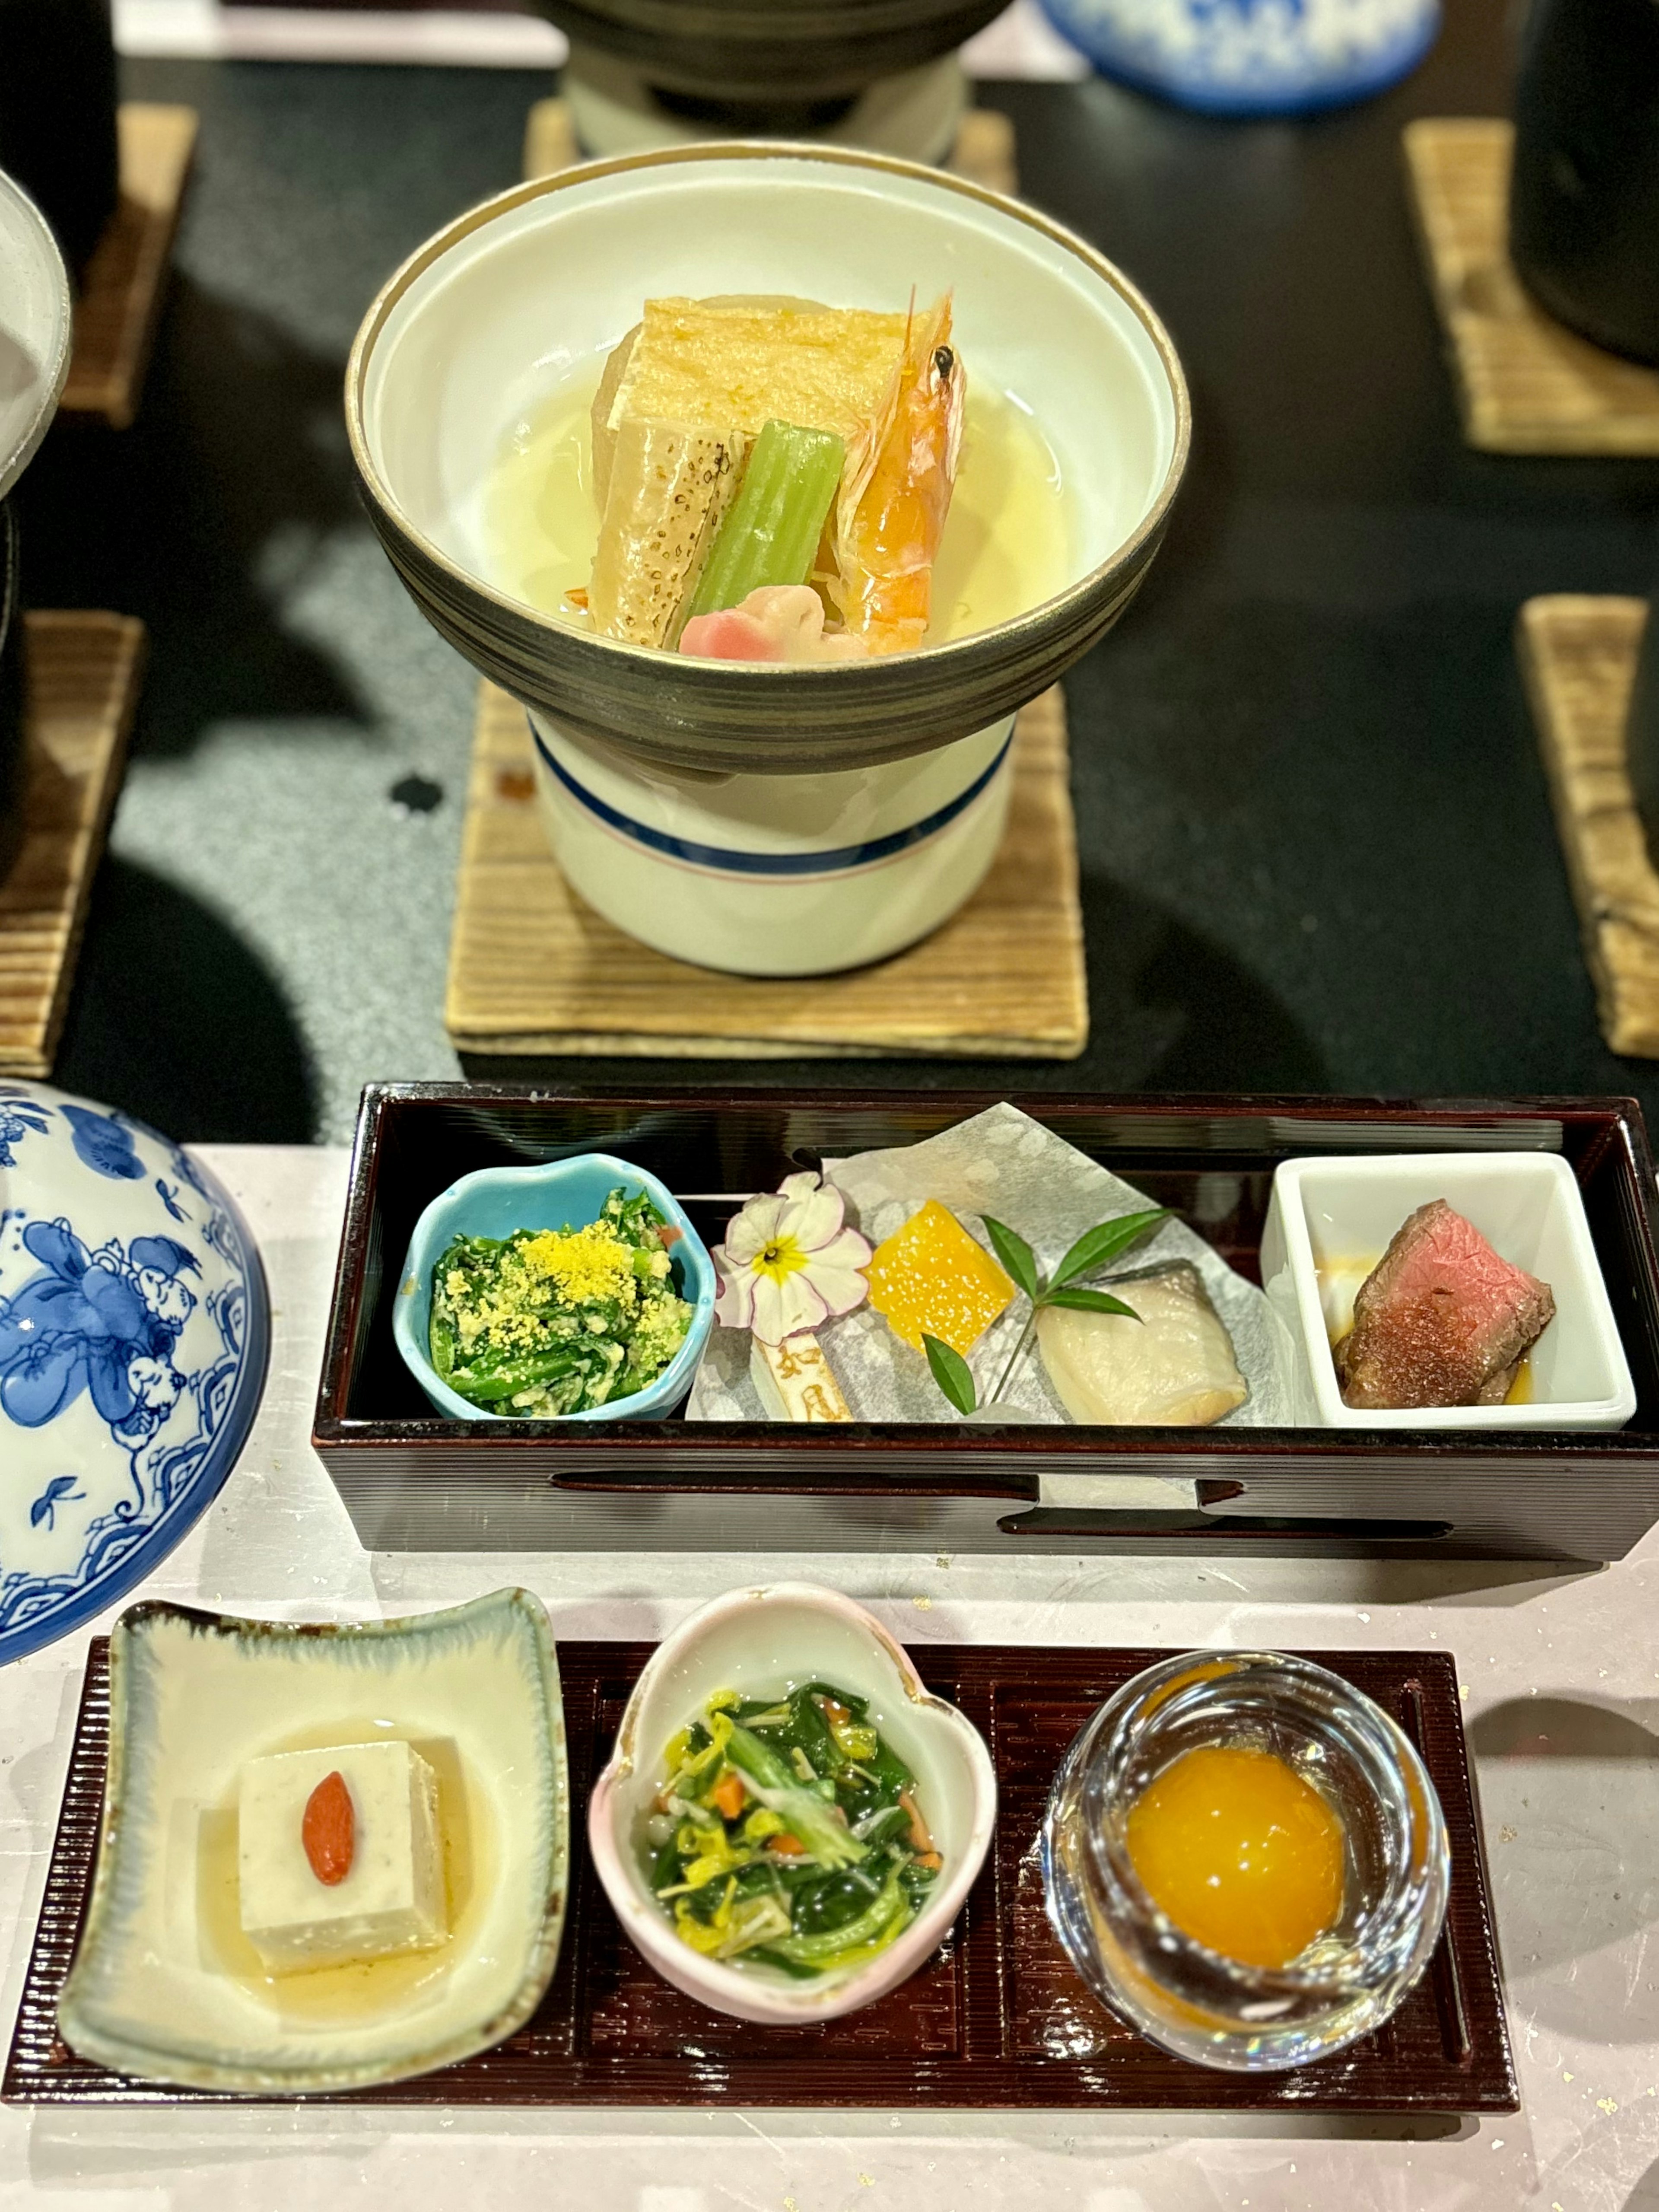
column 392, row 1897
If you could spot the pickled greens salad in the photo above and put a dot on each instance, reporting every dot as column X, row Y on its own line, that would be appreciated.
column 787, row 1834
column 550, row 1321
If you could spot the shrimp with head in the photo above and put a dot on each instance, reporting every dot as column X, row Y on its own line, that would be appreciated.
column 892, row 506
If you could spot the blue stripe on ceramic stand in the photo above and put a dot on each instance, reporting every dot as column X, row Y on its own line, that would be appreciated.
column 731, row 861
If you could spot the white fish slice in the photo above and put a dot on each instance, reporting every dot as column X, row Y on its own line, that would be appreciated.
column 1173, row 1367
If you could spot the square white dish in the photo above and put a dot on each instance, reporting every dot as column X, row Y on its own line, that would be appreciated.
column 164, row 1984
column 1331, row 1219
column 757, row 1640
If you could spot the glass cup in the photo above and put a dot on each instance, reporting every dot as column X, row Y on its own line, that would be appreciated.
column 1175, row 1989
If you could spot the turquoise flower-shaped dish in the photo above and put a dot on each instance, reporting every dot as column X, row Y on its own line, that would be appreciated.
column 496, row 1202
column 133, row 1330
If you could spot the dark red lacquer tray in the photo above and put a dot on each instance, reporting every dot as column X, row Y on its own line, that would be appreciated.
column 413, row 1480
column 997, row 2018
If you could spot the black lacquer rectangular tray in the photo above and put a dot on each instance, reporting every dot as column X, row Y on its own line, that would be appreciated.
column 412, row 1481
column 996, row 2019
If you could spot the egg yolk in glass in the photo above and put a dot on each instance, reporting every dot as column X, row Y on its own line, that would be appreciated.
column 1239, row 1852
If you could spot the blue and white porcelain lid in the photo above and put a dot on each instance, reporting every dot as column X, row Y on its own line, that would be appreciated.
column 1252, row 57
column 134, row 1332
column 35, row 329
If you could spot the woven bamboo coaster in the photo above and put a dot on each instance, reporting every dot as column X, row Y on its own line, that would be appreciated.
column 984, row 152
column 1525, row 384
column 533, row 970
column 120, row 301
column 81, row 676
column 1578, row 656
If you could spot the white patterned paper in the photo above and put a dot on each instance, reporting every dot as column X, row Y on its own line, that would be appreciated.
column 1004, row 1163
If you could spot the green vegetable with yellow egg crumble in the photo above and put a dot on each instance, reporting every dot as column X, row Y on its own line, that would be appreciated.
column 550, row 1321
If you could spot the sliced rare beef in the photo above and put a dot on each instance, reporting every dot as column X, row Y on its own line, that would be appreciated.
column 1441, row 1320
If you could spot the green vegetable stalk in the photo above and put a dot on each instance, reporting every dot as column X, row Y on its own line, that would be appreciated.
column 830, row 1842
column 834, row 1947
column 770, row 532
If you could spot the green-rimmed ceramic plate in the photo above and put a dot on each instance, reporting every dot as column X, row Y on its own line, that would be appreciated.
column 165, row 1986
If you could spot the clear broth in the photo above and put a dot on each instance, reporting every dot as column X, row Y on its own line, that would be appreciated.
column 1006, row 547
column 376, row 1989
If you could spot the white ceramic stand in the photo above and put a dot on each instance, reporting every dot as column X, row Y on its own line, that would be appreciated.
column 776, row 875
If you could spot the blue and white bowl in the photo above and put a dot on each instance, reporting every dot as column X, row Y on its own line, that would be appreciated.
column 1252, row 57
column 134, row 1331
column 497, row 1202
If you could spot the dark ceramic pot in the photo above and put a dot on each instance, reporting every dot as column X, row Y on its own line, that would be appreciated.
column 769, row 57
column 57, row 101
column 1585, row 195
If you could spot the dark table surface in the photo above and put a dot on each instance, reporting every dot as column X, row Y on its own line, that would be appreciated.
column 1316, row 846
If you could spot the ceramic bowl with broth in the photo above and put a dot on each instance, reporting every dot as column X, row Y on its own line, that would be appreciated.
column 36, row 329
column 35, row 332
column 771, row 819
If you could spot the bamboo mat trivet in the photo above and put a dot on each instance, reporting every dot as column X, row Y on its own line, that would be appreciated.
column 1578, row 656
column 1525, row 384
column 984, row 152
column 120, row 301
column 533, row 970
column 81, row 682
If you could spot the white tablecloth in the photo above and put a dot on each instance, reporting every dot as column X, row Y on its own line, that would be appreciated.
column 1560, row 1672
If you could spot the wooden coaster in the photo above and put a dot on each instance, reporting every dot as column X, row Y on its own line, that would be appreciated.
column 1525, row 383
column 81, row 674
column 120, row 301
column 550, row 139
column 984, row 152
column 1578, row 656
column 533, row 970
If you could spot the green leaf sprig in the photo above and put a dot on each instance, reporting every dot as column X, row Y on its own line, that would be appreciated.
column 951, row 1372
column 1106, row 1242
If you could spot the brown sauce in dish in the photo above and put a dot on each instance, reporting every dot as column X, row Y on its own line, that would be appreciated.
column 376, row 1989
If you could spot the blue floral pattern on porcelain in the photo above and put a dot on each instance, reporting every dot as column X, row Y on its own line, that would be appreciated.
column 133, row 1330
column 21, row 1116
column 1252, row 57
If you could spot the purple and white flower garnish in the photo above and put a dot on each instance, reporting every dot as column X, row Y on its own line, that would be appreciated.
column 789, row 1261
